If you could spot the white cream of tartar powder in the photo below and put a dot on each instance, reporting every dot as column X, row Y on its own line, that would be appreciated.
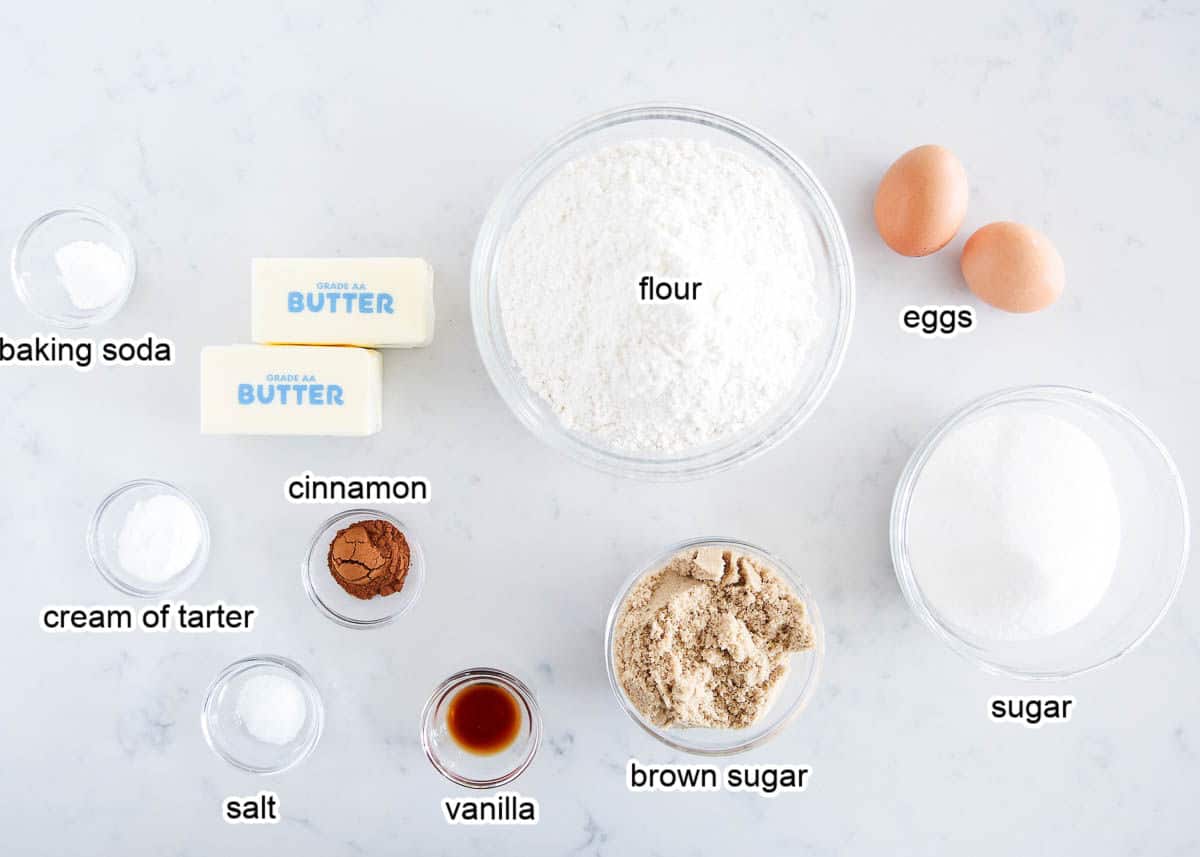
column 668, row 375
column 1014, row 526
column 159, row 537
column 92, row 273
column 272, row 708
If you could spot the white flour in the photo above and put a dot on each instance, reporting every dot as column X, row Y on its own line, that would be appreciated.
column 659, row 377
column 1015, row 526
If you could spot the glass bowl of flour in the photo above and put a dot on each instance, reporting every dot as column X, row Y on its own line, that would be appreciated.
column 1042, row 532
column 662, row 293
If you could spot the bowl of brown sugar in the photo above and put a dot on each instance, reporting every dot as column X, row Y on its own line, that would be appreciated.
column 363, row 568
column 714, row 647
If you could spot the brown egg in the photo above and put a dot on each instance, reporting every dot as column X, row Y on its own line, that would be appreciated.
column 921, row 201
column 1013, row 267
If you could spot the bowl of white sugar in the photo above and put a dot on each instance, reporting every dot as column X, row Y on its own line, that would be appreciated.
column 662, row 292
column 1041, row 531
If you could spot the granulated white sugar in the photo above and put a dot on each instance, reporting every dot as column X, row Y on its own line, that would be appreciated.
column 659, row 377
column 1015, row 527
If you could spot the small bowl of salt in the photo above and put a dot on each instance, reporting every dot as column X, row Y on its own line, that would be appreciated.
column 149, row 539
column 73, row 267
column 263, row 714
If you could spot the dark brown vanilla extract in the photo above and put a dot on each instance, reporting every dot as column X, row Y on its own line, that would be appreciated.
column 484, row 718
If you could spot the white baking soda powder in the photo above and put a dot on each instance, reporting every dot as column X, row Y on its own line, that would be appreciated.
column 92, row 273
column 659, row 376
column 1014, row 526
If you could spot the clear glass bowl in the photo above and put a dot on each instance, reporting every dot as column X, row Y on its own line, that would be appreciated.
column 791, row 698
column 1154, row 539
column 35, row 273
column 474, row 770
column 227, row 735
column 105, row 527
column 831, row 261
column 339, row 605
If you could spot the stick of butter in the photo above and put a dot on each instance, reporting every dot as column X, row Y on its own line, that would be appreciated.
column 288, row 389
column 378, row 303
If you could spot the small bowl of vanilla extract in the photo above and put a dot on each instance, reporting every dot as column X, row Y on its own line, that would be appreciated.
column 481, row 728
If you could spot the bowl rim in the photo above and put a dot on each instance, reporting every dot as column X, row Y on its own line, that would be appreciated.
column 480, row 675
column 902, row 499
column 244, row 665
column 712, row 458
column 817, row 652
column 414, row 582
column 90, row 318
column 181, row 581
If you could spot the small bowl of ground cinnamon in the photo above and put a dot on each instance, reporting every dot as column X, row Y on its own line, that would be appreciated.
column 363, row 568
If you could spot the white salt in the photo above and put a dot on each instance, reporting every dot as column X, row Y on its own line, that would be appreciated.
column 93, row 273
column 272, row 708
column 1015, row 526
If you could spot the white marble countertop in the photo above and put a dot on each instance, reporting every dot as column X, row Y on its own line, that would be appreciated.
column 218, row 132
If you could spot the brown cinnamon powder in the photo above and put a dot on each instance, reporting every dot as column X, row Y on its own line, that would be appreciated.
column 369, row 558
